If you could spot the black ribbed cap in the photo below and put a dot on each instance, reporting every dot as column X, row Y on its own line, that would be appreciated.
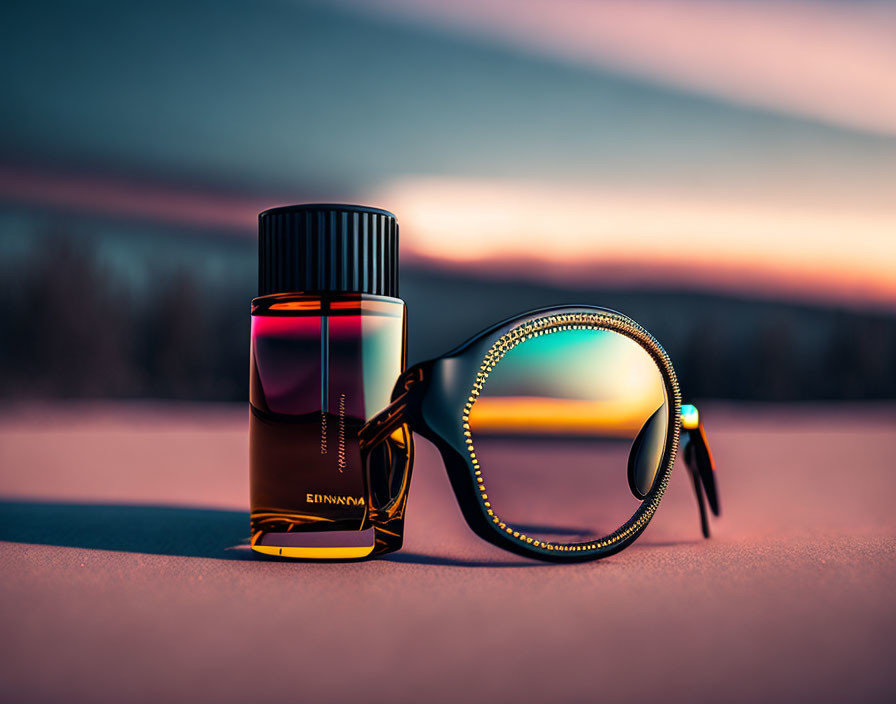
column 325, row 247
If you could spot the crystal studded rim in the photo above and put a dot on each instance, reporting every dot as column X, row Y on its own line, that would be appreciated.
column 558, row 322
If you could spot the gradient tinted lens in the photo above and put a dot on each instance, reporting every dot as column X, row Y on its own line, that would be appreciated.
column 569, row 431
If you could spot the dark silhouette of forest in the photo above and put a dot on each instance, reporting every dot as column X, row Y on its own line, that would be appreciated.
column 74, row 328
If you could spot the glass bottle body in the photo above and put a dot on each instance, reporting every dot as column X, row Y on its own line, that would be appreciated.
column 320, row 366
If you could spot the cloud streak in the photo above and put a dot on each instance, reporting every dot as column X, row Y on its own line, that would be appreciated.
column 829, row 62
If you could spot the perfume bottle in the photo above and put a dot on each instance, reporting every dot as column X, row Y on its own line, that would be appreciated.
column 328, row 341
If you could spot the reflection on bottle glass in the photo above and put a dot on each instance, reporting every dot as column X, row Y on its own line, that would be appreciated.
column 321, row 365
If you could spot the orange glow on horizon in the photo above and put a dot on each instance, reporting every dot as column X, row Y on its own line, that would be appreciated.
column 597, row 234
column 525, row 414
column 841, row 252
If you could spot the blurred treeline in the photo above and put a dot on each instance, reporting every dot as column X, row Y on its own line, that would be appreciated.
column 74, row 327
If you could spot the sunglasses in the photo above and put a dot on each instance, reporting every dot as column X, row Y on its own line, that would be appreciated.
column 558, row 429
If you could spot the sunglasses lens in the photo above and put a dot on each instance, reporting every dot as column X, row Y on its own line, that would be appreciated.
column 569, row 431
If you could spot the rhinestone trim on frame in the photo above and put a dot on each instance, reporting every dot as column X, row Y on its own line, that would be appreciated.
column 557, row 323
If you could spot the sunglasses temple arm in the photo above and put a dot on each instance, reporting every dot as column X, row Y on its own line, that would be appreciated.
column 384, row 423
column 393, row 416
column 387, row 458
column 701, row 466
column 701, row 500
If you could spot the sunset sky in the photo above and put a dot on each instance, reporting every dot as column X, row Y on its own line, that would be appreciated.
column 734, row 146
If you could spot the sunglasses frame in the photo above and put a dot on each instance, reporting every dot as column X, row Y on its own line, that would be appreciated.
column 434, row 398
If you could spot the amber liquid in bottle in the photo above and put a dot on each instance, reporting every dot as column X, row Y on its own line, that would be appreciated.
column 321, row 365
